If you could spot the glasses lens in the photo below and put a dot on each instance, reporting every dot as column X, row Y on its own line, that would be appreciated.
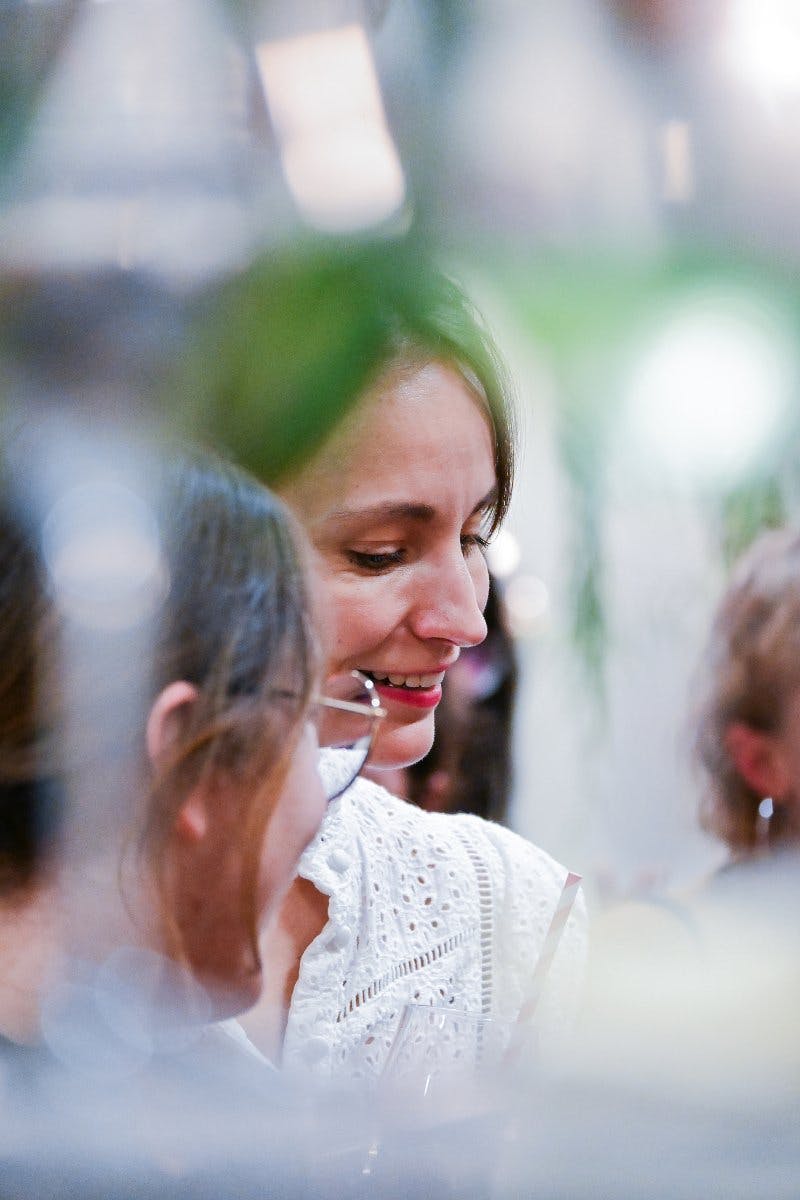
column 347, row 718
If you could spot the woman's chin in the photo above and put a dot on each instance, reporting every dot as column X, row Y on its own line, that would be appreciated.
column 402, row 745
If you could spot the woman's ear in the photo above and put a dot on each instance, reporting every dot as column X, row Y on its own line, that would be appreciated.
column 760, row 758
column 166, row 718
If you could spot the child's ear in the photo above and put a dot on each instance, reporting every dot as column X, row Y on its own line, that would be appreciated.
column 760, row 758
column 167, row 718
column 165, row 724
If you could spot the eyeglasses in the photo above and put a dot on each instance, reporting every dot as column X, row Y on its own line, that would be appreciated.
column 348, row 717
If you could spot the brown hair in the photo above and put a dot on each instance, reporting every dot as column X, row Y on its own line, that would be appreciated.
column 30, row 795
column 450, row 329
column 750, row 667
column 238, row 626
column 234, row 623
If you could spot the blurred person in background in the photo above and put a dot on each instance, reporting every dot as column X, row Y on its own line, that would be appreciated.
column 748, row 726
column 696, row 994
column 396, row 454
column 721, row 960
column 155, row 927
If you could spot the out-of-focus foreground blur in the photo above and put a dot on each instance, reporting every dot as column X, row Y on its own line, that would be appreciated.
column 616, row 183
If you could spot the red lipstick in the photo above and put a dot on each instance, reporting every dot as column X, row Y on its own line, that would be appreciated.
column 414, row 697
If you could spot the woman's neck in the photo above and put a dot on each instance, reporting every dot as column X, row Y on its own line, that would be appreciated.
column 31, row 952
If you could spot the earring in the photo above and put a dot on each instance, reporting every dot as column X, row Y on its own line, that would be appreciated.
column 764, row 824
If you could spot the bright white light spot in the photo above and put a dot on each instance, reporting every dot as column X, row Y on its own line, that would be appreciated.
column 503, row 554
column 325, row 103
column 678, row 169
column 766, row 808
column 762, row 44
column 527, row 604
column 710, row 391
column 369, row 183
column 101, row 546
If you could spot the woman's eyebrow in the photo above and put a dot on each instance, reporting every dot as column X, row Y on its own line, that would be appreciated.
column 389, row 510
column 400, row 510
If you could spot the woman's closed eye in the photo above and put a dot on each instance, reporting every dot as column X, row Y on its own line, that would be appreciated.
column 376, row 561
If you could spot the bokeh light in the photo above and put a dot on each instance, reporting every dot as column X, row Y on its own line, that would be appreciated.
column 503, row 554
column 710, row 390
column 528, row 604
column 337, row 152
column 761, row 44
column 101, row 546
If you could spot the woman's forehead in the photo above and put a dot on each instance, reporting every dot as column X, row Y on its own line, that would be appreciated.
column 408, row 429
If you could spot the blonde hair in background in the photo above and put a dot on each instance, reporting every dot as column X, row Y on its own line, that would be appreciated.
column 750, row 668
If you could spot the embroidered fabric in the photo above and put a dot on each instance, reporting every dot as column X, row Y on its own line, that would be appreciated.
column 425, row 908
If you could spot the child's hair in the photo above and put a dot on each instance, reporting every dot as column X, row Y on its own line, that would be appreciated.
column 30, row 792
column 234, row 623
column 750, row 667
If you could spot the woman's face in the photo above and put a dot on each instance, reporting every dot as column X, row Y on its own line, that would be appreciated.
column 396, row 505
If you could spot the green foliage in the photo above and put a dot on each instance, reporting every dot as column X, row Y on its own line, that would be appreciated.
column 283, row 349
column 746, row 511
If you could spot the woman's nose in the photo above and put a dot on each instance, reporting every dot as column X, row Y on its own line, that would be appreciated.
column 450, row 603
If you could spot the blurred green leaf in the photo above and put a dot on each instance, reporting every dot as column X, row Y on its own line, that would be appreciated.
column 284, row 349
column 31, row 36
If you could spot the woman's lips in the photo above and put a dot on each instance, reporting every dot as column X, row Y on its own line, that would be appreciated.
column 417, row 689
column 417, row 697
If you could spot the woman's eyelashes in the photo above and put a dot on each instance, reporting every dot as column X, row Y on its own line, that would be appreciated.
column 473, row 541
column 376, row 560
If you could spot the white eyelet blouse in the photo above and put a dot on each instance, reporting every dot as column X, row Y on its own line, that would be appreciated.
column 425, row 908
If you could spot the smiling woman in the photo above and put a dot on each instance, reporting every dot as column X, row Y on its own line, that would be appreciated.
column 397, row 504
column 394, row 905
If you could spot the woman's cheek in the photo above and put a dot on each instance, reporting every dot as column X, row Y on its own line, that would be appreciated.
column 352, row 626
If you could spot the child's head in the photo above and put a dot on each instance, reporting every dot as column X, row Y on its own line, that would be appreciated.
column 748, row 728
column 219, row 765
